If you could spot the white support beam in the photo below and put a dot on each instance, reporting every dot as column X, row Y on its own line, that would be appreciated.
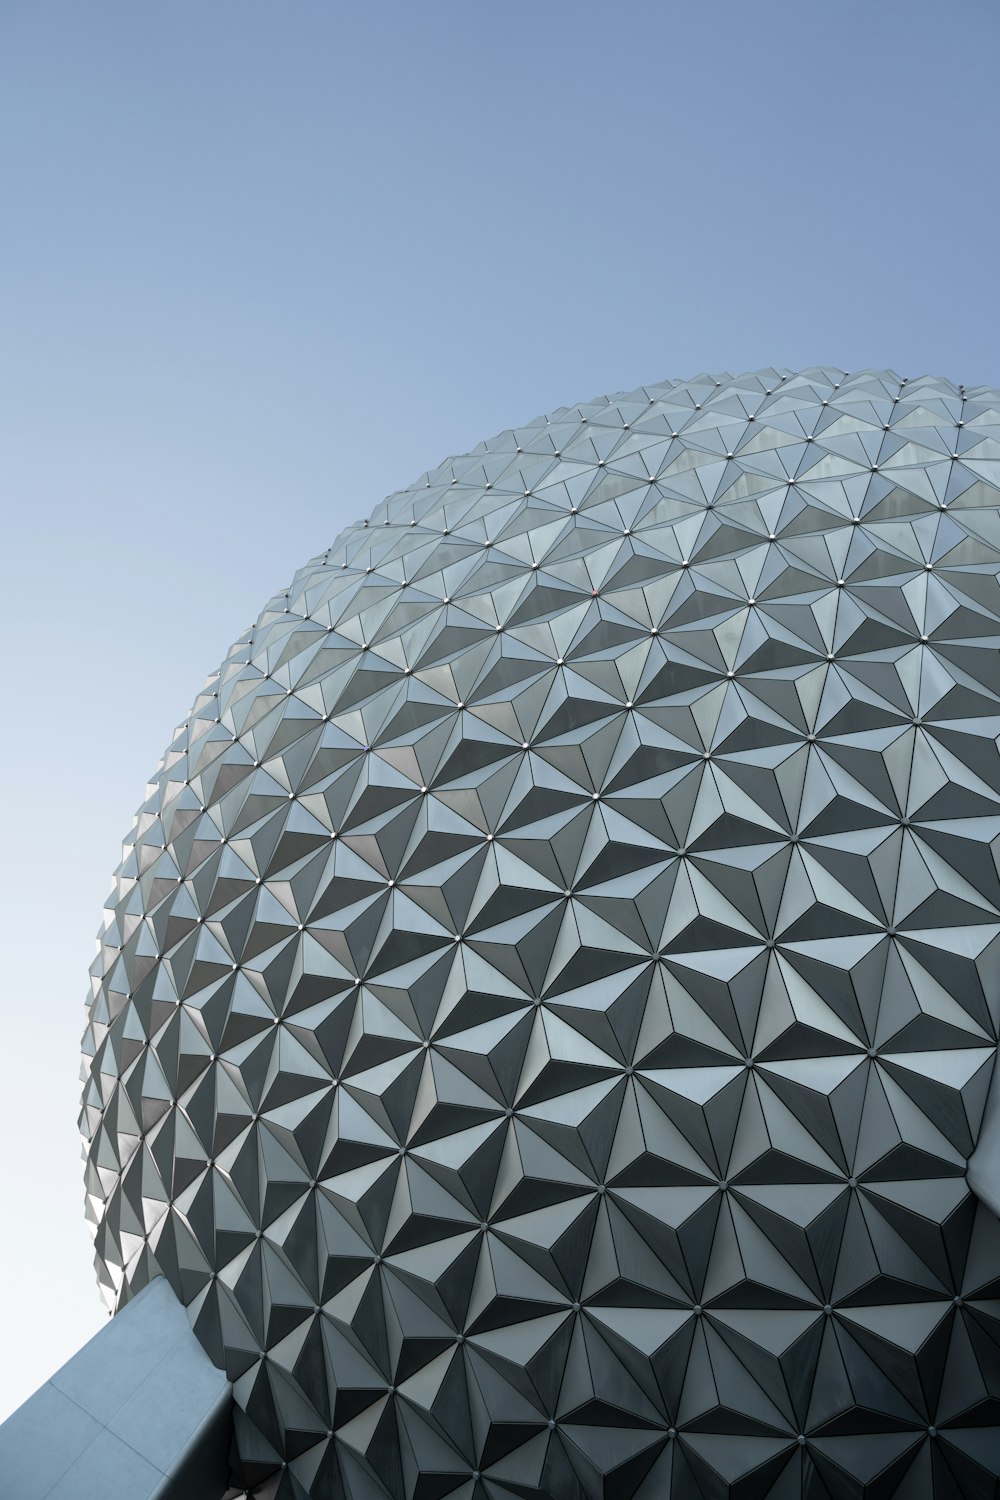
column 140, row 1413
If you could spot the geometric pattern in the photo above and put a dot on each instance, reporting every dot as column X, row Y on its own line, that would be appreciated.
column 550, row 992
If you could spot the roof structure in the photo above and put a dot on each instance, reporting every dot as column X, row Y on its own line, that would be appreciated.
column 550, row 993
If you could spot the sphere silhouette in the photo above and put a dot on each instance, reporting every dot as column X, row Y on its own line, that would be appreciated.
column 549, row 996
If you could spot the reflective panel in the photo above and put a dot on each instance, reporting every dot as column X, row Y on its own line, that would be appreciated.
column 550, row 993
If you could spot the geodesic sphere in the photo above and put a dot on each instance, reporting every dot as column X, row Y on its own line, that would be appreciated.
column 549, row 996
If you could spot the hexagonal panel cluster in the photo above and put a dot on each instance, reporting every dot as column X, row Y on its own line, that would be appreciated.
column 549, row 995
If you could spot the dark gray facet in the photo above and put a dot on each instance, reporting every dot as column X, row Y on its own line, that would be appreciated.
column 139, row 1413
column 984, row 1164
column 549, row 998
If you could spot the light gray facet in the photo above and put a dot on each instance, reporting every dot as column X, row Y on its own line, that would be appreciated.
column 984, row 1163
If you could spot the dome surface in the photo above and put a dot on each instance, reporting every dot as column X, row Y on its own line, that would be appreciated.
column 550, row 993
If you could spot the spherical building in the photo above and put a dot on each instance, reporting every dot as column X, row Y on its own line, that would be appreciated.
column 550, row 994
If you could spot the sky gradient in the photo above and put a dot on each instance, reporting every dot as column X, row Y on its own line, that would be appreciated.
column 261, row 264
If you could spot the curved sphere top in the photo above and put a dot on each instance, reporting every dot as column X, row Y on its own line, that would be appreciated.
column 549, row 995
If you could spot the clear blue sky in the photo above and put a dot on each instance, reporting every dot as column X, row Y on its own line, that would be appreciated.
column 261, row 263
